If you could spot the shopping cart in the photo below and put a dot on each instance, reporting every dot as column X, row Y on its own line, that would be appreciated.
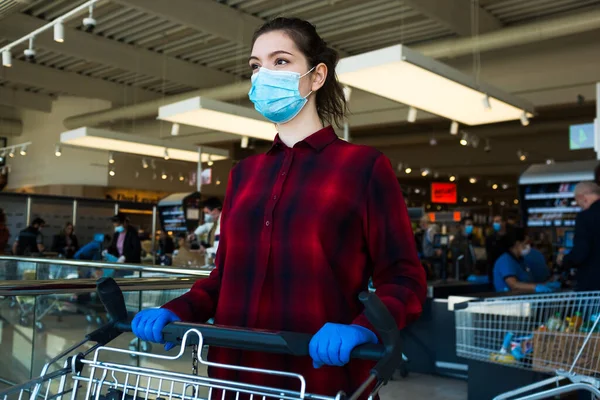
column 88, row 375
column 554, row 333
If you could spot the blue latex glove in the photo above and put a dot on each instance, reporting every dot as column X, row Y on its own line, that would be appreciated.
column 543, row 289
column 148, row 325
column 333, row 343
column 554, row 285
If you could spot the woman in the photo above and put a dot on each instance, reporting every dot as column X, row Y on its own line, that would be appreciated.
column 125, row 245
column 65, row 243
column 303, row 227
column 512, row 272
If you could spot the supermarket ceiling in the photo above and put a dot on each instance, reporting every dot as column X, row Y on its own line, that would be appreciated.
column 144, row 50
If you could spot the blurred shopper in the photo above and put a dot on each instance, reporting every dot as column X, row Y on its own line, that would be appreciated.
column 165, row 244
column 4, row 232
column 93, row 250
column 495, row 244
column 30, row 239
column 511, row 272
column 125, row 246
column 211, row 227
column 303, row 228
column 430, row 257
column 65, row 243
column 463, row 249
column 536, row 263
column 585, row 255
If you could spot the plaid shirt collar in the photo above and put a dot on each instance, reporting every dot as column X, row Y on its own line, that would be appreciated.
column 317, row 141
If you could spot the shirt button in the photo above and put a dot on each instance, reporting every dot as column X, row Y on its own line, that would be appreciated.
column 283, row 174
column 267, row 223
column 275, row 197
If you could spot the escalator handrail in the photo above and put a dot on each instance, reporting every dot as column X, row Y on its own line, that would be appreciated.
column 104, row 265
column 78, row 286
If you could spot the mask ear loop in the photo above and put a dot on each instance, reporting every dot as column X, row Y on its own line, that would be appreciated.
column 302, row 76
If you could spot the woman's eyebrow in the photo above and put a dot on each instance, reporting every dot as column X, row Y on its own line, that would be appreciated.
column 273, row 54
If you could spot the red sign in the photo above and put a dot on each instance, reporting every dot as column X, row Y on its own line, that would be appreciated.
column 444, row 193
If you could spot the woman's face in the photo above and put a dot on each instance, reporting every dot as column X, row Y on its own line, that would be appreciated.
column 69, row 230
column 277, row 51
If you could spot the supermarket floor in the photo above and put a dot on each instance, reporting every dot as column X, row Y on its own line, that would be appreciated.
column 422, row 387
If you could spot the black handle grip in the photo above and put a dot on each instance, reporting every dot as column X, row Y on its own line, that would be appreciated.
column 389, row 353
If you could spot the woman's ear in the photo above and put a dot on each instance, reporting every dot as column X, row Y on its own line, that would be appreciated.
column 319, row 76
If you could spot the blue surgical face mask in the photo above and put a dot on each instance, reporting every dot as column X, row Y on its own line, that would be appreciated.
column 469, row 229
column 497, row 226
column 276, row 94
column 209, row 218
column 119, row 229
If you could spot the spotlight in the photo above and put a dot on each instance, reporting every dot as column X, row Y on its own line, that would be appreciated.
column 412, row 115
column 244, row 142
column 486, row 103
column 472, row 180
column 439, row 208
column 502, row 203
column 153, row 164
column 465, row 200
column 89, row 23
column 436, row 175
column 454, row 128
column 166, row 155
column 549, row 161
column 524, row 119
column 112, row 172
column 516, row 201
column 175, row 129
column 210, row 161
column 452, row 178
column 181, row 178
column 475, row 141
column 111, row 158
column 23, row 151
column 474, row 199
column 144, row 163
column 11, row 153
column 487, row 147
column 417, row 191
column 154, row 176
column 163, row 175
column 7, row 58
column 30, row 51
column 400, row 166
column 59, row 32
column 433, row 141
column 522, row 155
column 57, row 151
column 424, row 172
column 408, row 170
column 464, row 140
column 505, row 186
column 495, row 186
column 218, row 182
column 490, row 203
column 137, row 174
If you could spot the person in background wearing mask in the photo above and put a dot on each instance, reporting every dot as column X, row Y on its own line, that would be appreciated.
column 303, row 228
column 30, row 239
column 430, row 255
column 212, row 225
column 125, row 244
column 65, row 243
column 494, row 244
column 4, row 233
column 463, row 249
column 585, row 255
column 511, row 272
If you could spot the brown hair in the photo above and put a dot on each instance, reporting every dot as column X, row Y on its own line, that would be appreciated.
column 331, row 103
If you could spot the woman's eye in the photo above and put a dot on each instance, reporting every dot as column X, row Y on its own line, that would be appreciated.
column 280, row 61
column 254, row 67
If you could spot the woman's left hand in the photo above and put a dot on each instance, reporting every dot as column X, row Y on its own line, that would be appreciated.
column 333, row 344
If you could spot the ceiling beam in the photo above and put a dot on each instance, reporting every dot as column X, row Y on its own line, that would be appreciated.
column 20, row 99
column 456, row 15
column 58, row 81
column 205, row 15
column 120, row 55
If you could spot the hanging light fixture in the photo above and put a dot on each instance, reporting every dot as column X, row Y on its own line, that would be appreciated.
column 175, row 129
column 210, row 161
column 112, row 172
column 23, row 151
column 495, row 186
column 486, row 103
column 412, row 115
column 11, row 152
column 111, row 158
column 166, row 154
column 472, row 180
column 454, row 128
column 181, row 177
column 433, row 141
column 464, row 140
column 408, row 77
column 163, row 176
column 7, row 58
column 408, row 170
column 425, row 172
column 144, row 163
column 57, row 150
column 452, row 178
column 59, row 32
column 549, row 161
column 244, row 142
column 524, row 119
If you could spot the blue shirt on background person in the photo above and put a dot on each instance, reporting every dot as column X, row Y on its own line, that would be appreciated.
column 536, row 263
column 506, row 266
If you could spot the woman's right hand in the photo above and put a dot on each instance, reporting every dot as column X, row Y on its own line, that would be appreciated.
column 148, row 325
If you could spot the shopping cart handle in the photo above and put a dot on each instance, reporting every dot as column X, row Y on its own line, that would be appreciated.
column 388, row 353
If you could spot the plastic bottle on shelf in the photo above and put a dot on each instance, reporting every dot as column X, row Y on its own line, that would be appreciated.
column 576, row 321
column 555, row 323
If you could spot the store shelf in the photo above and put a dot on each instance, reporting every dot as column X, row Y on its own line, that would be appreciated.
column 538, row 210
column 546, row 196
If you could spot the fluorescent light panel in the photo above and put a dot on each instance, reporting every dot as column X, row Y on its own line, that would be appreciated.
column 219, row 116
column 100, row 139
column 406, row 76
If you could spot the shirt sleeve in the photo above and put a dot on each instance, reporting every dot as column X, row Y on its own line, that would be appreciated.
column 398, row 275
column 202, row 229
column 581, row 244
column 200, row 303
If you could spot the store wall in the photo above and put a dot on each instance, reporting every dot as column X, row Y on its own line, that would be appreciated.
column 40, row 167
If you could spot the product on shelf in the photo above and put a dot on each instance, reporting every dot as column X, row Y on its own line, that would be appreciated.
column 555, row 323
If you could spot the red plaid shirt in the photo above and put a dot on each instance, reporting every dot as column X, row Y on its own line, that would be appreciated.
column 302, row 231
